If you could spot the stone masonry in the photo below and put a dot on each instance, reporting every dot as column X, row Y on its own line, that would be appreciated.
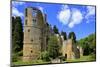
column 34, row 34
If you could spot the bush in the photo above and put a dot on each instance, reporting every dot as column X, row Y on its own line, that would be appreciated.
column 20, row 53
column 62, row 58
column 14, row 57
column 53, row 47
column 45, row 56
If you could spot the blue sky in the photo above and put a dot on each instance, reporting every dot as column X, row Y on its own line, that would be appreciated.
column 67, row 17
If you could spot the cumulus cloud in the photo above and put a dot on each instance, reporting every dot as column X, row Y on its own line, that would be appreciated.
column 64, row 14
column 69, row 17
column 15, row 12
column 90, row 10
column 90, row 13
column 76, row 18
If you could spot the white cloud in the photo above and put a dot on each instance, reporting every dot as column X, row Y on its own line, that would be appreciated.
column 64, row 15
column 16, row 3
column 64, row 7
column 15, row 12
column 90, row 12
column 70, row 17
column 76, row 18
column 40, row 8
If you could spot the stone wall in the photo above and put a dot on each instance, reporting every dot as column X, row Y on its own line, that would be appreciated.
column 34, row 35
column 70, row 50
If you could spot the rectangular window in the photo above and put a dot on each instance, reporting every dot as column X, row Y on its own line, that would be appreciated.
column 26, row 12
column 34, row 13
column 34, row 21
column 26, row 22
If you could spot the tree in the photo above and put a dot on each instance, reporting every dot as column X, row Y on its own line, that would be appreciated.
column 72, row 36
column 88, row 44
column 64, row 35
column 45, row 56
column 13, row 25
column 53, row 47
column 13, row 28
column 55, row 29
column 17, row 38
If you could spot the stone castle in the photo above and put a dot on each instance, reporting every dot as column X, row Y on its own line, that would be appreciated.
column 36, row 32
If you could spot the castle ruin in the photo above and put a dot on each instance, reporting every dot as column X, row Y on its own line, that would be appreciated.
column 36, row 34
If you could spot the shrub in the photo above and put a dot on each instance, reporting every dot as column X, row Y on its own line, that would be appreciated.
column 20, row 53
column 14, row 57
column 45, row 56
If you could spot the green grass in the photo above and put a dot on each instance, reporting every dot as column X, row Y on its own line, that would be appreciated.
column 83, row 59
column 29, row 63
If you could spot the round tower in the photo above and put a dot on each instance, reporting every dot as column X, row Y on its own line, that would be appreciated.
column 33, row 36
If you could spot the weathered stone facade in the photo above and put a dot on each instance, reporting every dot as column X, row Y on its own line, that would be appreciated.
column 70, row 50
column 34, row 34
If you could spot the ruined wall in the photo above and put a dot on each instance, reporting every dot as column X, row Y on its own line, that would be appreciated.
column 70, row 50
column 33, row 34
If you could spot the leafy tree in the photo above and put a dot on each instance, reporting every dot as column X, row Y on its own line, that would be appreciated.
column 88, row 44
column 64, row 34
column 55, row 29
column 13, row 24
column 13, row 28
column 45, row 56
column 17, row 36
column 72, row 36
column 53, row 47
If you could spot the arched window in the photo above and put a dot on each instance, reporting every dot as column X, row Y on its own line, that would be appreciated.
column 65, row 55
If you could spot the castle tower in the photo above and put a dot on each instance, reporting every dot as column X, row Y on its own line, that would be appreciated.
column 69, row 51
column 33, row 34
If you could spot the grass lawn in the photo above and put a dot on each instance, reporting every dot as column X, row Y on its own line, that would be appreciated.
column 82, row 59
column 29, row 63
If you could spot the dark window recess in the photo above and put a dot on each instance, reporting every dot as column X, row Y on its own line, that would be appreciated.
column 26, row 12
column 26, row 22
column 28, row 30
column 34, row 13
column 31, row 40
column 31, row 51
column 34, row 20
column 65, row 55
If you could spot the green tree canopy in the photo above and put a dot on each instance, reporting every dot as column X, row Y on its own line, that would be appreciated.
column 55, row 29
column 88, row 44
column 64, row 35
column 72, row 36
column 53, row 47
column 17, row 31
